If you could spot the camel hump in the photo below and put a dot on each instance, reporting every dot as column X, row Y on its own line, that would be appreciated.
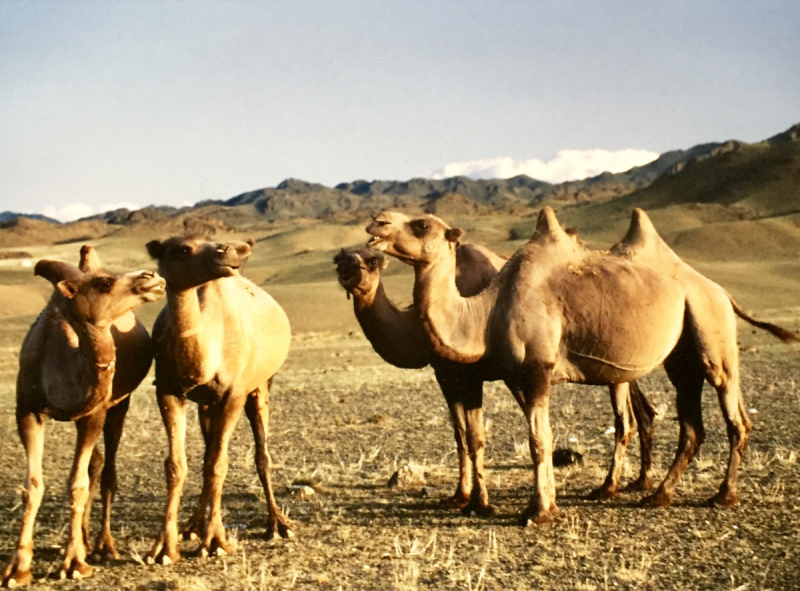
column 547, row 226
column 90, row 261
column 642, row 239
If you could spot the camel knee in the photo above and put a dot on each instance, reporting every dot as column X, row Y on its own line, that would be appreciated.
column 175, row 471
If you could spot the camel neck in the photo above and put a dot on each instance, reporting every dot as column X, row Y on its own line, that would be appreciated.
column 456, row 326
column 186, row 315
column 396, row 335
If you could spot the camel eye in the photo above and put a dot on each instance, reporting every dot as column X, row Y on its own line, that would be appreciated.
column 381, row 223
column 419, row 227
column 104, row 284
column 184, row 250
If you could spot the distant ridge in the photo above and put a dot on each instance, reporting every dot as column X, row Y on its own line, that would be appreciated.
column 6, row 216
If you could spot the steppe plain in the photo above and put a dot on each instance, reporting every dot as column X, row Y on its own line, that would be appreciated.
column 343, row 421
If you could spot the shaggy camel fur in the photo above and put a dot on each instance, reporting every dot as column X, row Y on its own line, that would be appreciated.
column 219, row 341
column 560, row 313
column 80, row 361
column 399, row 338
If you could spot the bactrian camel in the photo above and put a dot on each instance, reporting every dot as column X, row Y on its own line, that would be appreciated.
column 219, row 341
column 558, row 312
column 399, row 338
column 80, row 361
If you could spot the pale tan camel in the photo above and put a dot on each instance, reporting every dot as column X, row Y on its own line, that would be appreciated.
column 558, row 312
column 399, row 338
column 219, row 341
column 80, row 361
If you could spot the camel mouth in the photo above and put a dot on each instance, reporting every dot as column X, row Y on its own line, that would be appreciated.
column 374, row 241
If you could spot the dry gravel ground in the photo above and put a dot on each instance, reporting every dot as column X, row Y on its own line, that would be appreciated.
column 343, row 421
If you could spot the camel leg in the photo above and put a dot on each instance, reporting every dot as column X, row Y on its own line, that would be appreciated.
column 104, row 546
column 623, row 430
column 542, row 506
column 257, row 409
column 31, row 432
column 89, row 430
column 194, row 528
column 223, row 422
column 476, row 444
column 173, row 414
column 738, row 427
column 645, row 415
column 95, row 468
column 452, row 395
column 687, row 375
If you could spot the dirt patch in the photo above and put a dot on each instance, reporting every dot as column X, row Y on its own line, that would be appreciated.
column 342, row 422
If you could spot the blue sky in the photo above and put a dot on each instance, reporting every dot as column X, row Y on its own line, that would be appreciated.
column 143, row 102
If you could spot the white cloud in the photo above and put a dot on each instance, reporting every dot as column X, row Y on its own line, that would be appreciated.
column 74, row 211
column 567, row 165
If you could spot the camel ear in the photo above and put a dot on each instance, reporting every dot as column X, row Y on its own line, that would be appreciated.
column 67, row 288
column 89, row 259
column 250, row 242
column 339, row 257
column 454, row 234
column 155, row 248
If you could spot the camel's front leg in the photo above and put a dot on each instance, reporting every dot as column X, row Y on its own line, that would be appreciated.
column 623, row 430
column 476, row 444
column 196, row 526
column 89, row 430
column 31, row 431
column 257, row 409
column 104, row 546
column 173, row 414
column 223, row 422
column 452, row 395
column 542, row 506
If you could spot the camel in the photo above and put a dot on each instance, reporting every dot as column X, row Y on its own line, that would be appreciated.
column 80, row 361
column 558, row 312
column 399, row 338
column 219, row 341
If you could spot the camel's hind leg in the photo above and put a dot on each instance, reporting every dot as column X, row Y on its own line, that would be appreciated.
column 257, row 409
column 104, row 546
column 738, row 427
column 31, row 431
column 194, row 528
column 452, row 389
column 686, row 373
column 89, row 429
column 623, row 431
column 645, row 415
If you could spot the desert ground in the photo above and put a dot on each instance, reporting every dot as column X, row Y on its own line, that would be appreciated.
column 343, row 421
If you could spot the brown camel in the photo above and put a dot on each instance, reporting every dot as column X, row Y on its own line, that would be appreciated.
column 558, row 312
column 399, row 338
column 219, row 341
column 80, row 361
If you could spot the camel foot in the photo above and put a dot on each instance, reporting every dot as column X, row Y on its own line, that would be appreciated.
column 480, row 508
column 163, row 553
column 641, row 484
column 105, row 548
column 457, row 501
column 74, row 569
column 15, row 577
column 602, row 493
column 536, row 515
column 657, row 499
column 280, row 526
column 193, row 530
column 723, row 499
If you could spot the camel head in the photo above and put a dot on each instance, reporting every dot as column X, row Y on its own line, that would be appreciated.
column 359, row 270
column 101, row 298
column 420, row 239
column 188, row 261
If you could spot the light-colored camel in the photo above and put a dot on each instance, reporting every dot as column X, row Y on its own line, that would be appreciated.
column 399, row 338
column 558, row 312
column 80, row 361
column 219, row 341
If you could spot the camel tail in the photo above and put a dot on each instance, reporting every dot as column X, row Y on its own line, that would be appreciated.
column 784, row 335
